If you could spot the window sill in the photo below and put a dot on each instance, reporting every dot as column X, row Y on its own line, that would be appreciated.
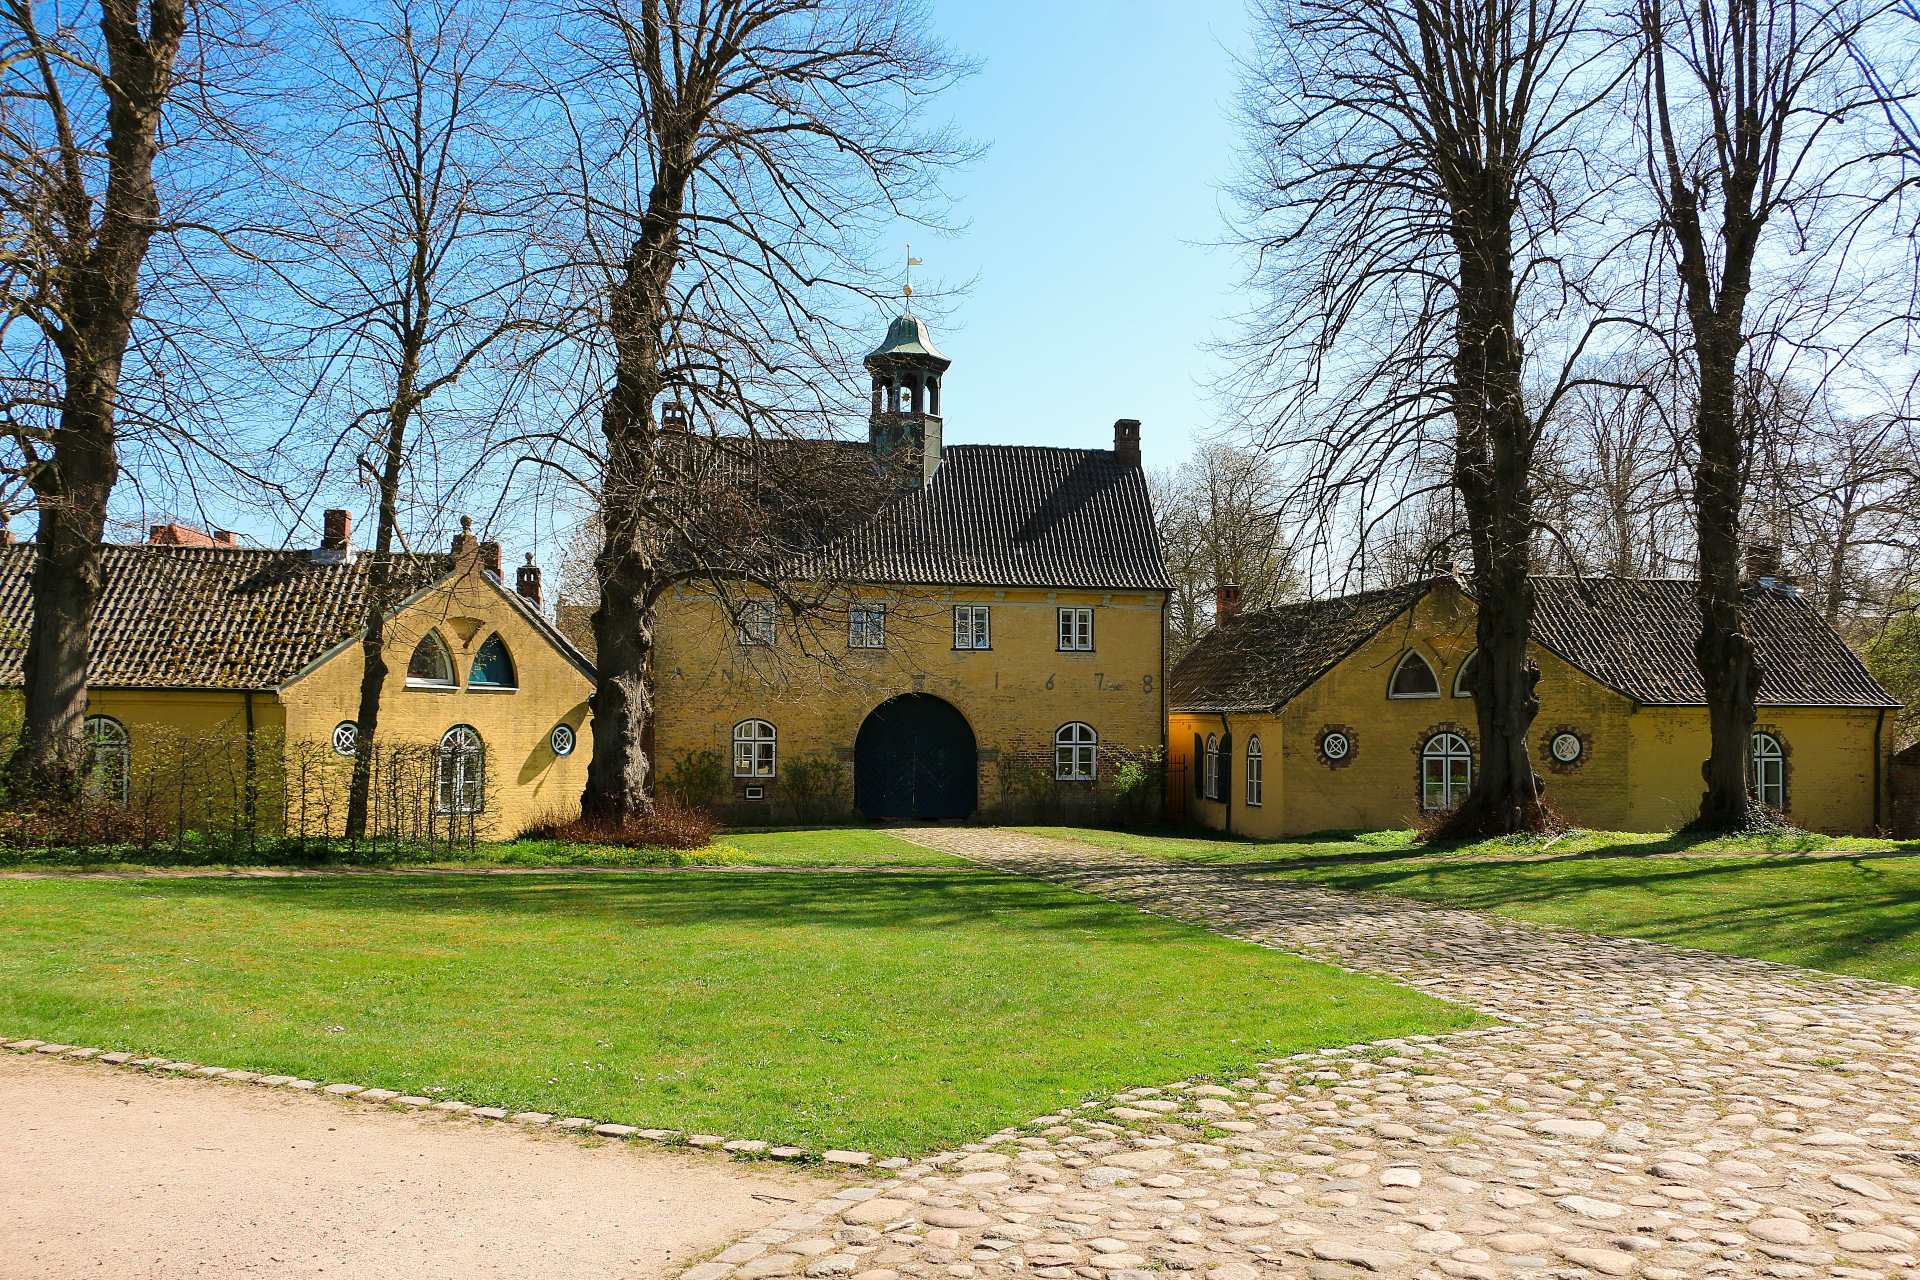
column 493, row 688
column 426, row 687
column 1410, row 697
column 977, row 648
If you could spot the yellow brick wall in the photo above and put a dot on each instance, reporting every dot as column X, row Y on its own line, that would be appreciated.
column 1014, row 696
column 1640, row 770
column 186, row 752
column 525, row 780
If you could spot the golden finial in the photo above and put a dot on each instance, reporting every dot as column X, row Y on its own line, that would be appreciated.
column 907, row 289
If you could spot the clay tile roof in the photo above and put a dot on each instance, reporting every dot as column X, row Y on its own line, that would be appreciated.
column 1634, row 635
column 1261, row 659
column 1013, row 516
column 173, row 617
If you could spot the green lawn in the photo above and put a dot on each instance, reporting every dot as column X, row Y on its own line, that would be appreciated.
column 1858, row 914
column 892, row 1012
column 836, row 847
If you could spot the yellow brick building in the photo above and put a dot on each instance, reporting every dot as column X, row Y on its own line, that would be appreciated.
column 224, row 676
column 1357, row 712
column 992, row 643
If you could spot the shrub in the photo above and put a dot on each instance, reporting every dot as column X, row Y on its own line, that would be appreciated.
column 696, row 780
column 671, row 825
column 816, row 787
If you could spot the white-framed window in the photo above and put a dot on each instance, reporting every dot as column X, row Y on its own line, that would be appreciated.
column 867, row 627
column 1253, row 771
column 1446, row 772
column 754, row 622
column 1210, row 769
column 1769, row 771
column 562, row 740
column 346, row 738
column 1413, row 678
column 461, row 772
column 1463, row 678
column 109, row 760
column 1076, row 749
column 972, row 627
column 431, row 666
column 754, row 754
column 1076, row 630
column 492, row 667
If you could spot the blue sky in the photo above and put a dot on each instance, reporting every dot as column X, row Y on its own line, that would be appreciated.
column 1093, row 287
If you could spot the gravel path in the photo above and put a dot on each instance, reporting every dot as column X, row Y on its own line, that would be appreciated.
column 111, row 1173
column 1645, row 1111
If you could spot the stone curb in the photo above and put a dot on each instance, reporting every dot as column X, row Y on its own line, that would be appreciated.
column 739, row 1148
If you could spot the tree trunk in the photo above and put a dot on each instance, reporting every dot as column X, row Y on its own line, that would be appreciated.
column 65, row 586
column 622, row 700
column 1724, row 650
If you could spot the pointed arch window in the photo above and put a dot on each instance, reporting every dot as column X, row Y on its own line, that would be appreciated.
column 1413, row 678
column 461, row 771
column 431, row 666
column 1446, row 772
column 1463, row 678
column 1769, row 772
column 492, row 666
column 109, row 759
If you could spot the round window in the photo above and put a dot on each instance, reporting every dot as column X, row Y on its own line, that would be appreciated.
column 1335, row 745
column 346, row 738
column 1566, row 747
column 561, row 740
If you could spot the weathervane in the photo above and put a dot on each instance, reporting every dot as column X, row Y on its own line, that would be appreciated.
column 907, row 289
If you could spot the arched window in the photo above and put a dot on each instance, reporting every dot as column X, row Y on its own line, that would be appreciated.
column 1210, row 770
column 461, row 772
column 431, row 666
column 1446, row 771
column 1769, row 771
column 1076, row 749
column 1463, row 678
column 754, row 754
column 109, row 759
column 1253, row 770
column 492, row 666
column 1413, row 678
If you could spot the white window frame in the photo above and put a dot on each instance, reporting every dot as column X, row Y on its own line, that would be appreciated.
column 1210, row 769
column 867, row 626
column 1075, row 631
column 108, row 745
column 1412, row 655
column 753, row 623
column 446, row 654
column 1253, row 772
column 1076, row 752
column 756, row 749
column 460, row 772
column 1460, row 689
column 1438, row 755
column 1767, row 770
column 972, row 626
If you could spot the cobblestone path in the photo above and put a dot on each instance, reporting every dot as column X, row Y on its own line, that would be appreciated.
column 1644, row 1111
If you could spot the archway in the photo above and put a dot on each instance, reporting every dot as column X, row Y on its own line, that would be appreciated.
column 915, row 758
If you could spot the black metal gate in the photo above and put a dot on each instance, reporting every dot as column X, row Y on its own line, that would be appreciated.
column 915, row 758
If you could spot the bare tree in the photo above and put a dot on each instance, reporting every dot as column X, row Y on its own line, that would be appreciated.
column 1624, row 507
column 411, row 273
column 731, row 162
column 1220, row 527
column 1409, row 192
column 89, row 107
column 1755, row 121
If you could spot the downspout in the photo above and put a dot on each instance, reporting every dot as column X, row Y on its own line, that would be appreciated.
column 250, row 789
column 1879, row 727
column 1166, row 742
column 1226, row 733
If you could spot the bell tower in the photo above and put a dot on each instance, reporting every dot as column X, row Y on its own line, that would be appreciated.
column 905, row 421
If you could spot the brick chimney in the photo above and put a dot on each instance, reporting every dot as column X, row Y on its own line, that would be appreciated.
column 6, row 537
column 1763, row 562
column 1126, row 442
column 225, row 538
column 490, row 557
column 1226, row 602
column 526, row 581
column 336, row 532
